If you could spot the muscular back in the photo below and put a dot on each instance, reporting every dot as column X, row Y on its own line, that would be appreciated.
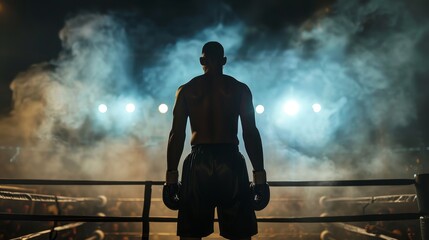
column 213, row 102
column 213, row 106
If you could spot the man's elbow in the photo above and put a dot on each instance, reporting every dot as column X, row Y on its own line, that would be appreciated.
column 250, row 133
column 177, row 136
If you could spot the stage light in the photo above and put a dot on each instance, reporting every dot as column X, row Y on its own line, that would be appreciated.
column 260, row 109
column 316, row 107
column 291, row 108
column 102, row 108
column 163, row 108
column 130, row 107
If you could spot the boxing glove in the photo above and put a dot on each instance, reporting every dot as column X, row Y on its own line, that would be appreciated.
column 259, row 190
column 171, row 189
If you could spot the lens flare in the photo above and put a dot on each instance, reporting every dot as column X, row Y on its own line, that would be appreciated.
column 260, row 109
column 163, row 108
column 130, row 107
column 291, row 108
column 102, row 108
column 316, row 107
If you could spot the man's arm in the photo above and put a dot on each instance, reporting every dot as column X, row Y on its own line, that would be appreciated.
column 251, row 136
column 259, row 189
column 177, row 135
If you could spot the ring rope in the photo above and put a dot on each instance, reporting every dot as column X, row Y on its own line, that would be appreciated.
column 214, row 235
column 6, row 195
column 358, row 230
column 403, row 198
column 19, row 189
column 158, row 199
column 23, row 196
column 343, row 183
column 58, row 229
column 350, row 218
column 75, row 182
column 8, row 147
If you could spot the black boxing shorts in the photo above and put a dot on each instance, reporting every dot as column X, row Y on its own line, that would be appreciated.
column 215, row 176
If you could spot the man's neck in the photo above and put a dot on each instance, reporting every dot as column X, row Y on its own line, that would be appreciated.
column 213, row 72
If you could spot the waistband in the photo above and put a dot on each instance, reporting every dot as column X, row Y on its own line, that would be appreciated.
column 215, row 147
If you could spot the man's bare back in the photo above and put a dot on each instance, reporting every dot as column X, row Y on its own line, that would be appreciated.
column 213, row 105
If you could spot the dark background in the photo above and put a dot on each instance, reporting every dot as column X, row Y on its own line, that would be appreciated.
column 29, row 29
column 29, row 34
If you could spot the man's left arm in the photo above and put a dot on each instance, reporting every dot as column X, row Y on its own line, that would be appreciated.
column 251, row 136
column 260, row 191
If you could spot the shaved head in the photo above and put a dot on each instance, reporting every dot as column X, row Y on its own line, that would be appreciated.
column 213, row 50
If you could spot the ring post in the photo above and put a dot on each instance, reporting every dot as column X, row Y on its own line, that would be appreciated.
column 422, row 189
column 146, row 210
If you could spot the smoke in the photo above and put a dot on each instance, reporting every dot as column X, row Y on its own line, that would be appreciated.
column 55, row 115
column 357, row 59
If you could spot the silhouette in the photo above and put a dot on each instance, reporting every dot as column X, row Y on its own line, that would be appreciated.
column 214, row 173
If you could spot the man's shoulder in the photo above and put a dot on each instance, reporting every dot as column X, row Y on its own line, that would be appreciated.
column 230, row 78
column 235, row 81
column 193, row 81
column 189, row 83
column 240, row 86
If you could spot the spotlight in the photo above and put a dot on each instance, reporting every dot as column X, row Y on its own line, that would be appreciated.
column 291, row 107
column 130, row 107
column 316, row 107
column 260, row 109
column 163, row 108
column 102, row 108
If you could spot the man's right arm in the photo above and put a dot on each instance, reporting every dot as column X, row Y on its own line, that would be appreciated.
column 176, row 140
column 177, row 135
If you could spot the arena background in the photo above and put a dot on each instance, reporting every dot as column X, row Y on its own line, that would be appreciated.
column 365, row 62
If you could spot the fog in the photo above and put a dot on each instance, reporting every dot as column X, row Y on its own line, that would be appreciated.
column 357, row 59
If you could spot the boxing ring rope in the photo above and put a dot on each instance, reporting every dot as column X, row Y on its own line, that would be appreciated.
column 6, row 195
column 24, row 196
column 58, row 229
column 17, row 189
column 421, row 183
column 355, row 229
column 402, row 198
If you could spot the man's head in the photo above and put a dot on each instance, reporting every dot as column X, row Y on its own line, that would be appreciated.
column 212, row 56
